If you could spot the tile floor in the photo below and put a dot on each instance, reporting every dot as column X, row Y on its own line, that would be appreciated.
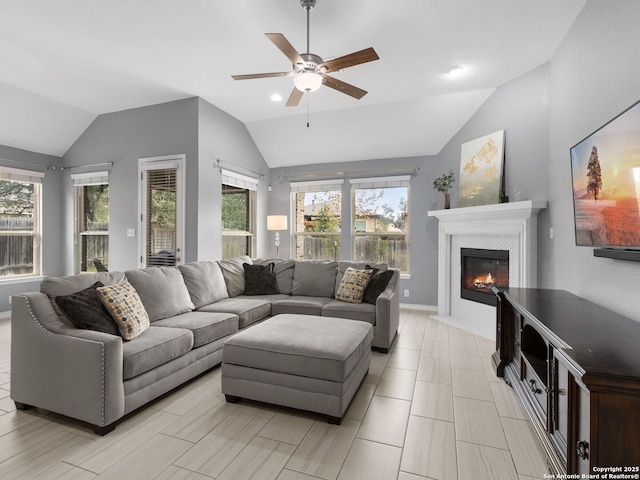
column 431, row 409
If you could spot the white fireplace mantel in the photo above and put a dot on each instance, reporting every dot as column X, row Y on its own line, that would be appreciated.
column 515, row 219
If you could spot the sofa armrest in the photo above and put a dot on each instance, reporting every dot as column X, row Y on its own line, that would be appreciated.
column 388, row 313
column 74, row 372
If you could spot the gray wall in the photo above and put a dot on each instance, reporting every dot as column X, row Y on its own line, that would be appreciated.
column 193, row 127
column 122, row 138
column 222, row 137
column 595, row 75
column 423, row 259
column 52, row 218
column 520, row 107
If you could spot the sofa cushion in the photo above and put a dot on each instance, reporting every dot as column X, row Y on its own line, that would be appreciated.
column 376, row 286
column 205, row 282
column 301, row 304
column 352, row 285
column 314, row 278
column 313, row 347
column 154, row 347
column 365, row 312
column 284, row 272
column 260, row 279
column 85, row 310
column 126, row 308
column 206, row 327
column 249, row 310
column 162, row 291
column 233, row 273
column 53, row 286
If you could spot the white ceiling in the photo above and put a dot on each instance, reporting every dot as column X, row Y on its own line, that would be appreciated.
column 64, row 62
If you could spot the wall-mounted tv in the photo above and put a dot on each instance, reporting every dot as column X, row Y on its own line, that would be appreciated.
column 605, row 170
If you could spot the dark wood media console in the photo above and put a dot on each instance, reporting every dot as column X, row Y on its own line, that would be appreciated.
column 575, row 366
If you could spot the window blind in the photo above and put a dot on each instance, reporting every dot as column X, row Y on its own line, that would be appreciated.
column 239, row 180
column 381, row 182
column 317, row 185
column 90, row 178
column 161, row 217
column 19, row 175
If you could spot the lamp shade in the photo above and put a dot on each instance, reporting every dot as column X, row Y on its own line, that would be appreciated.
column 307, row 81
column 276, row 222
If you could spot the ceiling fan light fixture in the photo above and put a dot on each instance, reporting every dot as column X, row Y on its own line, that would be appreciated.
column 307, row 81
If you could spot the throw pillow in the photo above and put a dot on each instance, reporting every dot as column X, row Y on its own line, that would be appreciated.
column 126, row 308
column 260, row 279
column 351, row 288
column 85, row 310
column 376, row 286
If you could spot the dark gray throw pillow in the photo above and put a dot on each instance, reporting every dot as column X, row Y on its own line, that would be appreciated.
column 376, row 286
column 85, row 310
column 260, row 279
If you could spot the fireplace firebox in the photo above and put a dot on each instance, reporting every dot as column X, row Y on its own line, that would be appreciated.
column 480, row 270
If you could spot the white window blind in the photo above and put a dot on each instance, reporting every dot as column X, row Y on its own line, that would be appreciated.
column 90, row 178
column 239, row 180
column 19, row 175
column 381, row 182
column 317, row 185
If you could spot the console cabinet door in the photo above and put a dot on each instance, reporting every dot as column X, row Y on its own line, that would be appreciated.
column 584, row 430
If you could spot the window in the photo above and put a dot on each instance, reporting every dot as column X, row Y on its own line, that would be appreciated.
column 317, row 212
column 20, row 206
column 238, row 213
column 380, row 212
column 162, row 214
column 92, row 234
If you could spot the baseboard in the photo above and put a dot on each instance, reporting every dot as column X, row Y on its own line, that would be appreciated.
column 417, row 306
column 5, row 315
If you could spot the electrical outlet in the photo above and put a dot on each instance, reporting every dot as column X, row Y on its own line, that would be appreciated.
column 406, row 292
column 9, row 299
column 551, row 233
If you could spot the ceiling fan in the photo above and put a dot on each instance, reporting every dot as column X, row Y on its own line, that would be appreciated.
column 310, row 70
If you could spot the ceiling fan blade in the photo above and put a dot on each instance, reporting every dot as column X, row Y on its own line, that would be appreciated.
column 294, row 98
column 343, row 87
column 261, row 75
column 356, row 58
column 285, row 47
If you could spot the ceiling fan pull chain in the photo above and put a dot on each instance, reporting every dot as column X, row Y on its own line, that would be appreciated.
column 307, row 111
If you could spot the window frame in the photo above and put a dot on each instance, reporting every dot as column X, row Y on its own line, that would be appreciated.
column 147, row 164
column 249, row 235
column 316, row 186
column 34, row 177
column 80, row 182
column 402, row 181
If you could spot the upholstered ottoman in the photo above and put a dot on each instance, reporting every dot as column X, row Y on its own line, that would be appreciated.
column 300, row 361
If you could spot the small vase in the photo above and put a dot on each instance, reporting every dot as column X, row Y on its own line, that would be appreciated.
column 447, row 201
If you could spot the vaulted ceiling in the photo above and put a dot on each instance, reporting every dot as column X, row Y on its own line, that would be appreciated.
column 62, row 63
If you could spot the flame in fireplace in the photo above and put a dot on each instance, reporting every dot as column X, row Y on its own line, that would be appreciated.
column 486, row 282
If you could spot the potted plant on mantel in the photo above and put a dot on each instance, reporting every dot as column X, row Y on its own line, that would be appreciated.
column 443, row 184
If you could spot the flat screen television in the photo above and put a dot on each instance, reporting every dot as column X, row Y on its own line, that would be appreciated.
column 605, row 171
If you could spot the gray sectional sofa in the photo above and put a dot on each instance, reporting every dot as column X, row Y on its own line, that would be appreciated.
column 193, row 309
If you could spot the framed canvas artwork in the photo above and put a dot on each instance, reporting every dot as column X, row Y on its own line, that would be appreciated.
column 481, row 169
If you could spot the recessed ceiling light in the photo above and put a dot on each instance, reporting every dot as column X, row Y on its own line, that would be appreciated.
column 276, row 97
column 455, row 70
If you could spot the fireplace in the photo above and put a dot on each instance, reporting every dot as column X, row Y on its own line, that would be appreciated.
column 481, row 269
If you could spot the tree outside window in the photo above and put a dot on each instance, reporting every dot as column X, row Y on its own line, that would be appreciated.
column 237, row 221
column 317, row 225
column 19, row 248
column 380, row 226
column 93, row 227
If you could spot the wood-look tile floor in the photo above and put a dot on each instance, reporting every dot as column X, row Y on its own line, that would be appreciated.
column 432, row 409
